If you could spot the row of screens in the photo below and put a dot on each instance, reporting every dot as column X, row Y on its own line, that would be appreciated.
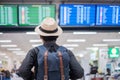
column 69, row 15
column 24, row 15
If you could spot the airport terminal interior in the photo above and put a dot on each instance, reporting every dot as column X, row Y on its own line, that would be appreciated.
column 91, row 30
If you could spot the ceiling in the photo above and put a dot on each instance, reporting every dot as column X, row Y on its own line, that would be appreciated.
column 22, row 41
column 58, row 1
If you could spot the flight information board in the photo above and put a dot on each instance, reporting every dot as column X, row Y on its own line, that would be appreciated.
column 108, row 15
column 8, row 15
column 34, row 14
column 77, row 15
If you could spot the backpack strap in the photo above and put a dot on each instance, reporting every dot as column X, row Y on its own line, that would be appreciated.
column 45, row 66
column 61, row 66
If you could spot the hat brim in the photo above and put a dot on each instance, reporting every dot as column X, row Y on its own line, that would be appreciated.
column 38, row 31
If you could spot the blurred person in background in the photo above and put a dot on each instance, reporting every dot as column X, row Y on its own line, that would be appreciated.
column 14, row 76
column 2, row 74
column 7, row 75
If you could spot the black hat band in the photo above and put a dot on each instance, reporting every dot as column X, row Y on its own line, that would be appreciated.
column 46, row 31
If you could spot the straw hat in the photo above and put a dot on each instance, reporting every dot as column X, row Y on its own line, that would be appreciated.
column 48, row 27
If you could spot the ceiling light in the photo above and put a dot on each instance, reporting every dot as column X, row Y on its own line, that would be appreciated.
column 118, row 32
column 35, row 40
column 71, row 45
column 2, row 54
column 5, row 41
column 117, row 47
column 100, row 44
column 81, row 55
column 1, row 33
column 13, row 49
column 6, row 56
column 33, row 33
column 35, row 45
column 109, row 40
column 18, row 51
column 70, row 48
column 8, row 45
column 21, row 54
column 76, row 40
column 92, row 48
column 84, row 32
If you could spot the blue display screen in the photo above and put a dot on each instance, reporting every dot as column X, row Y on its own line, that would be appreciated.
column 77, row 15
column 108, row 15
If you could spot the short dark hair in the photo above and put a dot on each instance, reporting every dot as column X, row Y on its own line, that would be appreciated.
column 49, row 38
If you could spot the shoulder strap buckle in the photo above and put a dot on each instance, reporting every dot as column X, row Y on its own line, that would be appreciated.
column 45, row 77
column 61, row 65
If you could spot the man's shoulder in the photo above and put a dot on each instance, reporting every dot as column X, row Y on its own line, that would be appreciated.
column 34, row 50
